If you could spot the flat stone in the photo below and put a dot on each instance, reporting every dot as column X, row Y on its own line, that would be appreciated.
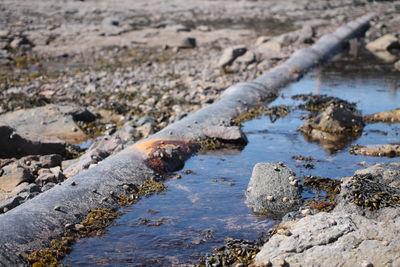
column 387, row 150
column 271, row 180
column 230, row 134
column 385, row 116
column 385, row 42
column 50, row 121
column 349, row 238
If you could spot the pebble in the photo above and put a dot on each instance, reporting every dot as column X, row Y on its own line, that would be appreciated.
column 270, row 198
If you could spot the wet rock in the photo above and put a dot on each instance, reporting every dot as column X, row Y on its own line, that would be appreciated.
column 17, row 144
column 330, row 142
column 385, row 42
column 336, row 119
column 389, row 150
column 386, row 116
column 229, row 134
column 230, row 54
column 50, row 120
column 334, row 127
column 270, row 191
column 12, row 175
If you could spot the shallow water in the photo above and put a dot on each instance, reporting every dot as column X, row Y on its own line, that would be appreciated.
column 198, row 211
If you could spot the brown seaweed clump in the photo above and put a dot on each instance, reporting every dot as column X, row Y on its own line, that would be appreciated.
column 367, row 191
column 236, row 252
column 94, row 224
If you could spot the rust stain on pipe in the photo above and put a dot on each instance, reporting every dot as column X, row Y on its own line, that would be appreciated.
column 166, row 155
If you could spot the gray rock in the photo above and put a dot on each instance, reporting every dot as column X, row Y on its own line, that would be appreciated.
column 17, row 144
column 334, row 239
column 10, row 203
column 49, row 161
column 230, row 134
column 46, row 177
column 12, row 175
column 50, row 121
column 230, row 54
column 270, row 190
column 336, row 119
column 145, row 120
column 354, row 233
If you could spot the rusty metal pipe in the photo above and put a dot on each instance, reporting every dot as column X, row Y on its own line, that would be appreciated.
column 33, row 224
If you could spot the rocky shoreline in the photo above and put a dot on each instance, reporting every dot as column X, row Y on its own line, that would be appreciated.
column 80, row 85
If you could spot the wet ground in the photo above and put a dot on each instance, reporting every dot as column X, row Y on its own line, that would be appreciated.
column 204, row 204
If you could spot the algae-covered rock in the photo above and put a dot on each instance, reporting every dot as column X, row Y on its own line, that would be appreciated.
column 385, row 116
column 336, row 119
column 388, row 150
